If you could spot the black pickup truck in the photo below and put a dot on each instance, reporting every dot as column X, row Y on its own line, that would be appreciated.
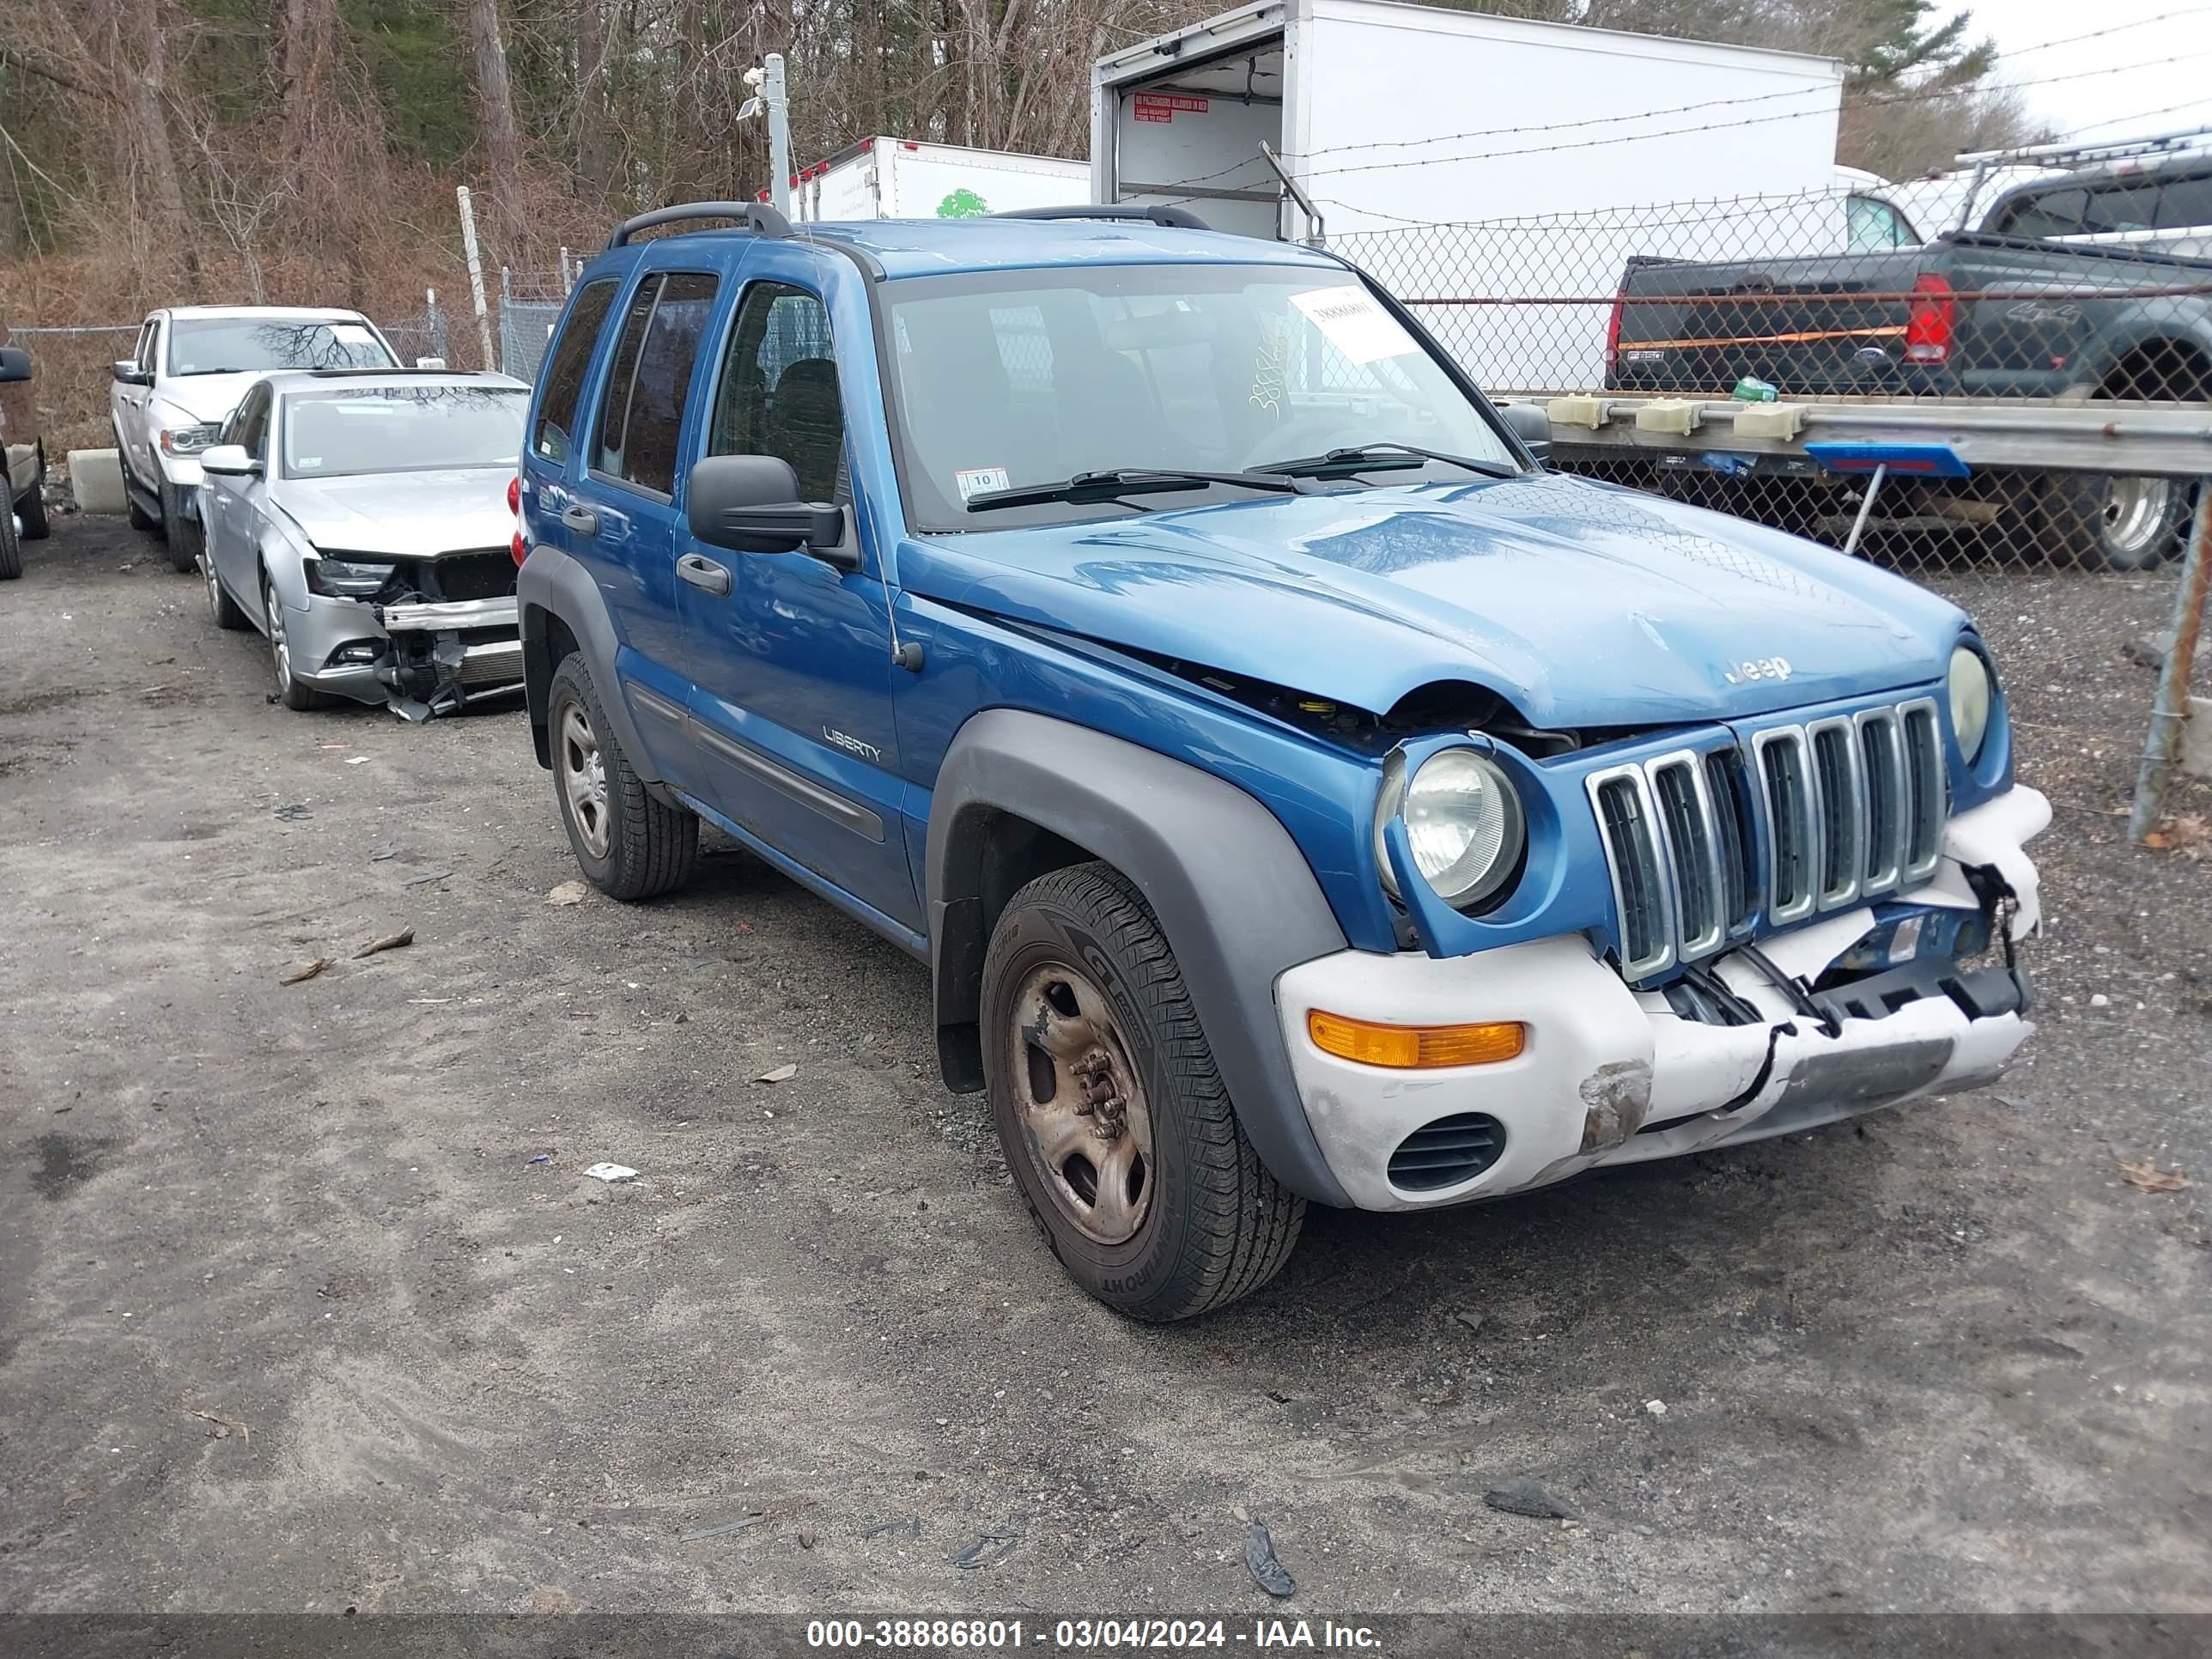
column 2120, row 307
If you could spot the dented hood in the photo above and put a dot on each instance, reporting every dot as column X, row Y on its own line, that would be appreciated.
column 402, row 514
column 1582, row 603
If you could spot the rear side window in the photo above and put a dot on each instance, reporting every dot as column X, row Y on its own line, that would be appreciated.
column 649, row 382
column 564, row 375
column 2054, row 213
column 2185, row 203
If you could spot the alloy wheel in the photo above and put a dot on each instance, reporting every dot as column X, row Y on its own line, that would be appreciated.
column 583, row 769
column 280, row 647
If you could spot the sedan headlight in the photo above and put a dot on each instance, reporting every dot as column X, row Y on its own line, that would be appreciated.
column 1464, row 825
column 346, row 578
column 1970, row 695
column 188, row 439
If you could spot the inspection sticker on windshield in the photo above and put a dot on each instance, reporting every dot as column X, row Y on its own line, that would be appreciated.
column 1354, row 323
column 975, row 480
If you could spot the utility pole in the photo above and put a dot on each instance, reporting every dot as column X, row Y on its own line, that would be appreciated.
column 475, row 272
column 779, row 133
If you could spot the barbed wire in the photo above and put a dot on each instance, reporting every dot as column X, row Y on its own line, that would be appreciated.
column 1914, row 96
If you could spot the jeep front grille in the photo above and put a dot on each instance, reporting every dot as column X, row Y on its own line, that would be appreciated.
column 1700, row 842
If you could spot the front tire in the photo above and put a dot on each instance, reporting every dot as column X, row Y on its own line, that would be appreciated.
column 181, row 529
column 288, row 690
column 628, row 844
column 1114, row 1121
column 2114, row 523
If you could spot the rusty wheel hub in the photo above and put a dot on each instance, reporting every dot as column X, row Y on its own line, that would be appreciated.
column 1086, row 1122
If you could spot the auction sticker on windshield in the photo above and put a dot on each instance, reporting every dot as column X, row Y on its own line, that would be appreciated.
column 975, row 480
column 1351, row 322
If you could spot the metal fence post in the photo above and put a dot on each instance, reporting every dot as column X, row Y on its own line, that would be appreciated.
column 476, row 270
column 2172, row 709
column 506, row 320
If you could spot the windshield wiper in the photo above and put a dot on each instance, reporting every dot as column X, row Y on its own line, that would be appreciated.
column 186, row 373
column 1386, row 457
column 1086, row 488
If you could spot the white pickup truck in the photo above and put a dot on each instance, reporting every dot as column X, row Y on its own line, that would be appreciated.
column 188, row 369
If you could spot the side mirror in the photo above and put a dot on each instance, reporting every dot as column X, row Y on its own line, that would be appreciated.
column 14, row 365
column 130, row 375
column 229, row 461
column 749, row 504
column 1533, row 427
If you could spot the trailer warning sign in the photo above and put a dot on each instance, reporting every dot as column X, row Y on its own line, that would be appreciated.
column 1166, row 106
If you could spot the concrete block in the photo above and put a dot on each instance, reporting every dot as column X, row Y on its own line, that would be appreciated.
column 1676, row 415
column 1769, row 421
column 1584, row 411
column 2196, row 738
column 96, row 477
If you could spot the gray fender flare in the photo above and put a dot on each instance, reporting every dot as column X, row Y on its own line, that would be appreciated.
column 552, row 583
column 1226, row 883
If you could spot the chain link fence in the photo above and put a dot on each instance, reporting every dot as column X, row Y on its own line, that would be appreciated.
column 2019, row 414
column 1755, row 354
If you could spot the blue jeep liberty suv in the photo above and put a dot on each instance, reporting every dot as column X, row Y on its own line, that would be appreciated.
column 1296, row 791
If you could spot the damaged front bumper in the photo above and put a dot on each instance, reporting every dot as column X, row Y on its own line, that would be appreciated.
column 447, row 654
column 1609, row 1074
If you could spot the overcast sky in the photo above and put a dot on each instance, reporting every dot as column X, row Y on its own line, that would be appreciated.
column 2156, row 65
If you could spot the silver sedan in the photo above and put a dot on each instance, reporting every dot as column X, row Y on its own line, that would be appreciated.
column 362, row 521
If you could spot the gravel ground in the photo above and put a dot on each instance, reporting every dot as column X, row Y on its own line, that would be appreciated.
column 290, row 1317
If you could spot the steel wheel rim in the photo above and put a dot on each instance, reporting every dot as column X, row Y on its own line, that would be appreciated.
column 583, row 778
column 1086, row 1124
column 280, row 648
column 2135, row 512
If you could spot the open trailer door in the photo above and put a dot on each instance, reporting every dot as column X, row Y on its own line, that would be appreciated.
column 1178, row 121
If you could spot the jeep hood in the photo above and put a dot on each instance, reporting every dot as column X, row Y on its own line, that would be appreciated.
column 1582, row 603
column 402, row 514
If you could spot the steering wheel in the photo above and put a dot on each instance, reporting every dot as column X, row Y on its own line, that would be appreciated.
column 1309, row 434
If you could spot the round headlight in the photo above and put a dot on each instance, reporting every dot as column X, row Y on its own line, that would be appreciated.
column 1970, row 693
column 1464, row 825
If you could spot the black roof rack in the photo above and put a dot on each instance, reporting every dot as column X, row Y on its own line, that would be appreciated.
column 756, row 216
column 1171, row 218
column 362, row 369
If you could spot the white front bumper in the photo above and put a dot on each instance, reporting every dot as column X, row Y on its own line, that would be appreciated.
column 1602, row 1061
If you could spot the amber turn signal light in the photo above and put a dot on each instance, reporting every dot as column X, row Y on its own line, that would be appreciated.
column 1416, row 1047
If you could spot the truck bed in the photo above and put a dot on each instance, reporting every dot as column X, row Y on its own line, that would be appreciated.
column 1967, row 315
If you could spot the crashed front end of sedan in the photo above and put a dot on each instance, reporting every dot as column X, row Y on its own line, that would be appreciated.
column 423, row 636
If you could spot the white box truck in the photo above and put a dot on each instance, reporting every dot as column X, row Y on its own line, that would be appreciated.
column 1544, row 147
column 905, row 178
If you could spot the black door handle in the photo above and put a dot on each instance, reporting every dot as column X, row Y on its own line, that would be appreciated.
column 582, row 520
column 703, row 573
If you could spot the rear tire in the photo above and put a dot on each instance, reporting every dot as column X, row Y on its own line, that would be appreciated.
column 628, row 844
column 2114, row 523
column 32, row 509
column 181, row 529
column 1114, row 1121
column 225, row 609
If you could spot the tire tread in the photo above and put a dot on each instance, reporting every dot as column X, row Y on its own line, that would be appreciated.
column 1243, row 1224
column 654, row 845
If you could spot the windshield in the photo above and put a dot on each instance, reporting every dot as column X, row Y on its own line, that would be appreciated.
column 1013, row 377
column 345, row 433
column 235, row 345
